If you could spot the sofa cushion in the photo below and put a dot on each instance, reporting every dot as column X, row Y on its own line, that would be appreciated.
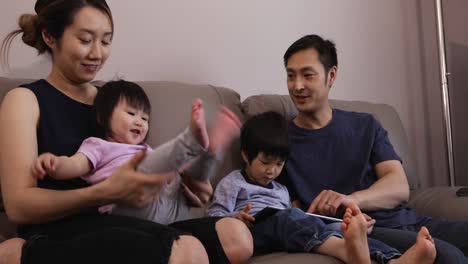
column 440, row 202
column 385, row 114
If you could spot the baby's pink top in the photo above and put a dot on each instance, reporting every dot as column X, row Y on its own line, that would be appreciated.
column 107, row 156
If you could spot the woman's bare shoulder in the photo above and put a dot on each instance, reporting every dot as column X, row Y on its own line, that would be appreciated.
column 19, row 96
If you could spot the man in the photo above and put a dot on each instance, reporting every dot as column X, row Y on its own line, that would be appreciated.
column 338, row 157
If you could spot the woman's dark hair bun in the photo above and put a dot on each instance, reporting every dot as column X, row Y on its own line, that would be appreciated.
column 29, row 24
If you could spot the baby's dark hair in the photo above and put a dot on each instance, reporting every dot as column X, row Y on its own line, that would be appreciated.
column 109, row 96
column 266, row 132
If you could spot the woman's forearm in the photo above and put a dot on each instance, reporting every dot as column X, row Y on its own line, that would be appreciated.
column 37, row 205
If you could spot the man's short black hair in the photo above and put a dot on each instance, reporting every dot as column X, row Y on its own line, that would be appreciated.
column 266, row 132
column 325, row 48
column 109, row 96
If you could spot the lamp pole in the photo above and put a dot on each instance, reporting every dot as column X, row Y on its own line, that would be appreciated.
column 445, row 94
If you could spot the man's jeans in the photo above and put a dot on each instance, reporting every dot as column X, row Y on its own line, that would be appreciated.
column 451, row 238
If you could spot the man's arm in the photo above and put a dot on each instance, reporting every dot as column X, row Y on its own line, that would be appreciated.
column 390, row 190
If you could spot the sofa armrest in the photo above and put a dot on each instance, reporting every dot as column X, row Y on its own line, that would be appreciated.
column 440, row 202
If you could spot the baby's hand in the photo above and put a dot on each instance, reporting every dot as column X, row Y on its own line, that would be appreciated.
column 245, row 217
column 44, row 164
column 370, row 223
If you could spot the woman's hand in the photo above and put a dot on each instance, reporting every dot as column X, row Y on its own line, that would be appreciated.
column 134, row 188
column 198, row 192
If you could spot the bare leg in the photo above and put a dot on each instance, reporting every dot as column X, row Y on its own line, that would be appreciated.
column 198, row 123
column 10, row 251
column 334, row 247
column 179, row 151
column 236, row 239
column 186, row 250
column 354, row 228
column 225, row 129
column 423, row 251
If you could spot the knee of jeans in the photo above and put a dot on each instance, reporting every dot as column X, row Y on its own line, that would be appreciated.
column 448, row 253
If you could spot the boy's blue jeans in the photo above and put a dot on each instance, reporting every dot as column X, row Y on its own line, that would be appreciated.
column 292, row 230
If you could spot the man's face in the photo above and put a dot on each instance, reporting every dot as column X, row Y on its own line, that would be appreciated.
column 308, row 84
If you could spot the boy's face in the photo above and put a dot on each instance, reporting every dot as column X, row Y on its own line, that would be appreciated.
column 263, row 169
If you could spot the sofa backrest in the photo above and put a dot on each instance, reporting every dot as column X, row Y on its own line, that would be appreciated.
column 171, row 104
column 384, row 113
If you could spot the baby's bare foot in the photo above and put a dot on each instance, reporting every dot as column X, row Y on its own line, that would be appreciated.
column 226, row 127
column 354, row 228
column 422, row 252
column 10, row 251
column 198, row 124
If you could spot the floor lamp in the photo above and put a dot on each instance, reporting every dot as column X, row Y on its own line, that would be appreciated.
column 445, row 96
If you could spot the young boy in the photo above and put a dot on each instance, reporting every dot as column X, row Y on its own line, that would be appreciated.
column 243, row 193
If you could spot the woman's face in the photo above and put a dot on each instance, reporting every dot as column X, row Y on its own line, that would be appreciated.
column 84, row 47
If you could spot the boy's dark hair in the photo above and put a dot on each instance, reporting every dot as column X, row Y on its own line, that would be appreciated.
column 111, row 93
column 266, row 132
column 325, row 48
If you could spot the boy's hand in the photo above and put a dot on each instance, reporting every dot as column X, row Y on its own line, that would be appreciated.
column 296, row 204
column 370, row 223
column 245, row 217
column 44, row 164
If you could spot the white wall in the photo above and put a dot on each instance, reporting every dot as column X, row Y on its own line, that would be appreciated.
column 239, row 44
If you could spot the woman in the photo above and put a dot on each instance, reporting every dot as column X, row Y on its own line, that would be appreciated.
column 58, row 219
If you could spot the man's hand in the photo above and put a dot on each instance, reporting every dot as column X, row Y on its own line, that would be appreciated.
column 245, row 217
column 329, row 202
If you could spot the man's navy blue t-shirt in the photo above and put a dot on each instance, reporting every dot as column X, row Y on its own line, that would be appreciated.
column 341, row 157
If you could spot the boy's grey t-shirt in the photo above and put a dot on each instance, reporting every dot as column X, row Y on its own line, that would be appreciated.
column 235, row 191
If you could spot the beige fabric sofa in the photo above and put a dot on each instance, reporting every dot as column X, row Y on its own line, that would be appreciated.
column 171, row 103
